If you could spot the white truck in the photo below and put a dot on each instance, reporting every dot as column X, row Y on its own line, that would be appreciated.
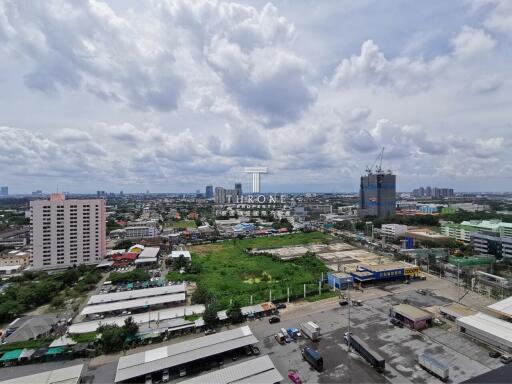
column 433, row 366
column 311, row 330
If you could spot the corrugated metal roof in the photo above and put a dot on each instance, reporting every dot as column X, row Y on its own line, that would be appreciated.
column 490, row 325
column 139, row 364
column 503, row 307
column 138, row 293
column 260, row 370
column 150, row 252
column 146, row 260
column 177, row 254
column 68, row 375
column 139, row 318
column 411, row 312
column 137, row 303
column 456, row 310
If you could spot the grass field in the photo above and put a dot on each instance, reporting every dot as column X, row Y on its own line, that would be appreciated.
column 184, row 224
column 229, row 272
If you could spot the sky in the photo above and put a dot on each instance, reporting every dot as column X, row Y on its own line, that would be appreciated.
column 172, row 95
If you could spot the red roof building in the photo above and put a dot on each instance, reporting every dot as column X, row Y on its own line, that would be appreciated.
column 128, row 257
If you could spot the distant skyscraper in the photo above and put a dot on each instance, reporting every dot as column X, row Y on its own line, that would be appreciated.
column 67, row 232
column 209, row 192
column 377, row 195
column 4, row 191
column 238, row 189
column 428, row 191
column 121, row 193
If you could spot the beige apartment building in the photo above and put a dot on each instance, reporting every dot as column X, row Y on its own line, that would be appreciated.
column 67, row 232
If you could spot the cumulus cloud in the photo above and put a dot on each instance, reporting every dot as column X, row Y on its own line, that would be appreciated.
column 371, row 68
column 471, row 41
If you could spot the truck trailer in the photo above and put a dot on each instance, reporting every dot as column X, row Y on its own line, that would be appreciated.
column 376, row 360
column 434, row 367
column 311, row 330
column 313, row 358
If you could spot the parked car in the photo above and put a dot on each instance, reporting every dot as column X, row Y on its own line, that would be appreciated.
column 255, row 350
column 148, row 379
column 343, row 302
column 274, row 319
column 506, row 359
column 397, row 322
column 248, row 350
column 165, row 376
column 421, row 292
column 494, row 354
column 209, row 332
column 294, row 377
column 281, row 306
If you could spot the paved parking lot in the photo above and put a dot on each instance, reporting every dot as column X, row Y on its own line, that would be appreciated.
column 399, row 346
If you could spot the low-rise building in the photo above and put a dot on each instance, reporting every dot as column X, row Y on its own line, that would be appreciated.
column 393, row 231
column 490, row 244
column 31, row 328
column 340, row 280
column 412, row 317
column 11, row 258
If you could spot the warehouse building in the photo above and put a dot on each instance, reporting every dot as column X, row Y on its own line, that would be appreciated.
column 260, row 370
column 412, row 317
column 487, row 329
column 385, row 271
column 68, row 375
column 182, row 357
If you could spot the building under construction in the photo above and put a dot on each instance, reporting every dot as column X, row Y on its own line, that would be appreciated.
column 377, row 192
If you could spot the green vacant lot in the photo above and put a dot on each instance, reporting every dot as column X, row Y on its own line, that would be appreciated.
column 184, row 224
column 229, row 272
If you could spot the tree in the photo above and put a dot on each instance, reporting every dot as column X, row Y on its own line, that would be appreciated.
column 131, row 327
column 112, row 338
column 234, row 312
column 202, row 295
column 210, row 315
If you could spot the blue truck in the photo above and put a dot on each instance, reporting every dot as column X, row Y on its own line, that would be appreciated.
column 313, row 358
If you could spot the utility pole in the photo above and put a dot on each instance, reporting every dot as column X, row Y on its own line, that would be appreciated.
column 288, row 295
column 458, row 280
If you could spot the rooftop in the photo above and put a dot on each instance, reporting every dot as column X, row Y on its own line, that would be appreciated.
column 151, row 252
column 68, row 375
column 135, row 294
column 488, row 324
column 139, row 318
column 456, row 310
column 177, row 254
column 139, row 364
column 411, row 312
column 137, row 303
column 258, row 370
column 503, row 307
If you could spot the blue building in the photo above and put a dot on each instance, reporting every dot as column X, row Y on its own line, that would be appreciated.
column 339, row 280
column 379, row 272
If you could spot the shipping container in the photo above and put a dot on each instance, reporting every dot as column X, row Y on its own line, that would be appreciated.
column 433, row 366
column 311, row 330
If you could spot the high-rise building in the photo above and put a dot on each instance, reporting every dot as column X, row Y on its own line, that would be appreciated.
column 220, row 195
column 4, row 191
column 238, row 189
column 209, row 192
column 67, row 232
column 377, row 195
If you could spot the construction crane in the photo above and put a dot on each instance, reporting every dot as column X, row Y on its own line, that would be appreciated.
column 378, row 169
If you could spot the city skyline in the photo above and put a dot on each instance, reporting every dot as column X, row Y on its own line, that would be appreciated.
column 198, row 90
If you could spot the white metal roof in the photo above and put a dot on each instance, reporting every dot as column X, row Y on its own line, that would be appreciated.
column 139, row 364
column 146, row 260
column 150, row 252
column 503, row 307
column 492, row 327
column 136, row 294
column 260, row 370
column 68, row 375
column 177, row 254
column 137, row 303
column 139, row 318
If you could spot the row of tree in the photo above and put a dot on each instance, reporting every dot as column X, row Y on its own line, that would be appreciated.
column 203, row 296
